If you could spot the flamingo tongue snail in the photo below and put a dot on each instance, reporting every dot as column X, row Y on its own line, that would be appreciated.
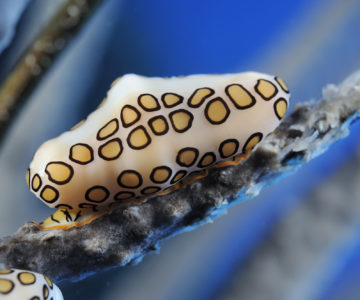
column 18, row 284
column 151, row 136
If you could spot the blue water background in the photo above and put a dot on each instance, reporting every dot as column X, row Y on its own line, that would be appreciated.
column 308, row 43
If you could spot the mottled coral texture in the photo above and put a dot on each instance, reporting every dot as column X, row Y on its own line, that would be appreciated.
column 129, row 233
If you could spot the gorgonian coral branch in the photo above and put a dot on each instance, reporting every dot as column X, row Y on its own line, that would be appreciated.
column 129, row 233
column 40, row 56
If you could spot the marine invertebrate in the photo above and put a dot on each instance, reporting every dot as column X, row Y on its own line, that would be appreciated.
column 22, row 284
column 151, row 136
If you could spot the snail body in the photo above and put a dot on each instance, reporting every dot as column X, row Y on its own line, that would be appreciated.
column 151, row 136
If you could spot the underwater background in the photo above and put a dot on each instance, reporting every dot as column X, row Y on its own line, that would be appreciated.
column 299, row 239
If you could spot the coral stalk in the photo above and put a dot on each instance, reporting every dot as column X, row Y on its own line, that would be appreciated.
column 41, row 55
